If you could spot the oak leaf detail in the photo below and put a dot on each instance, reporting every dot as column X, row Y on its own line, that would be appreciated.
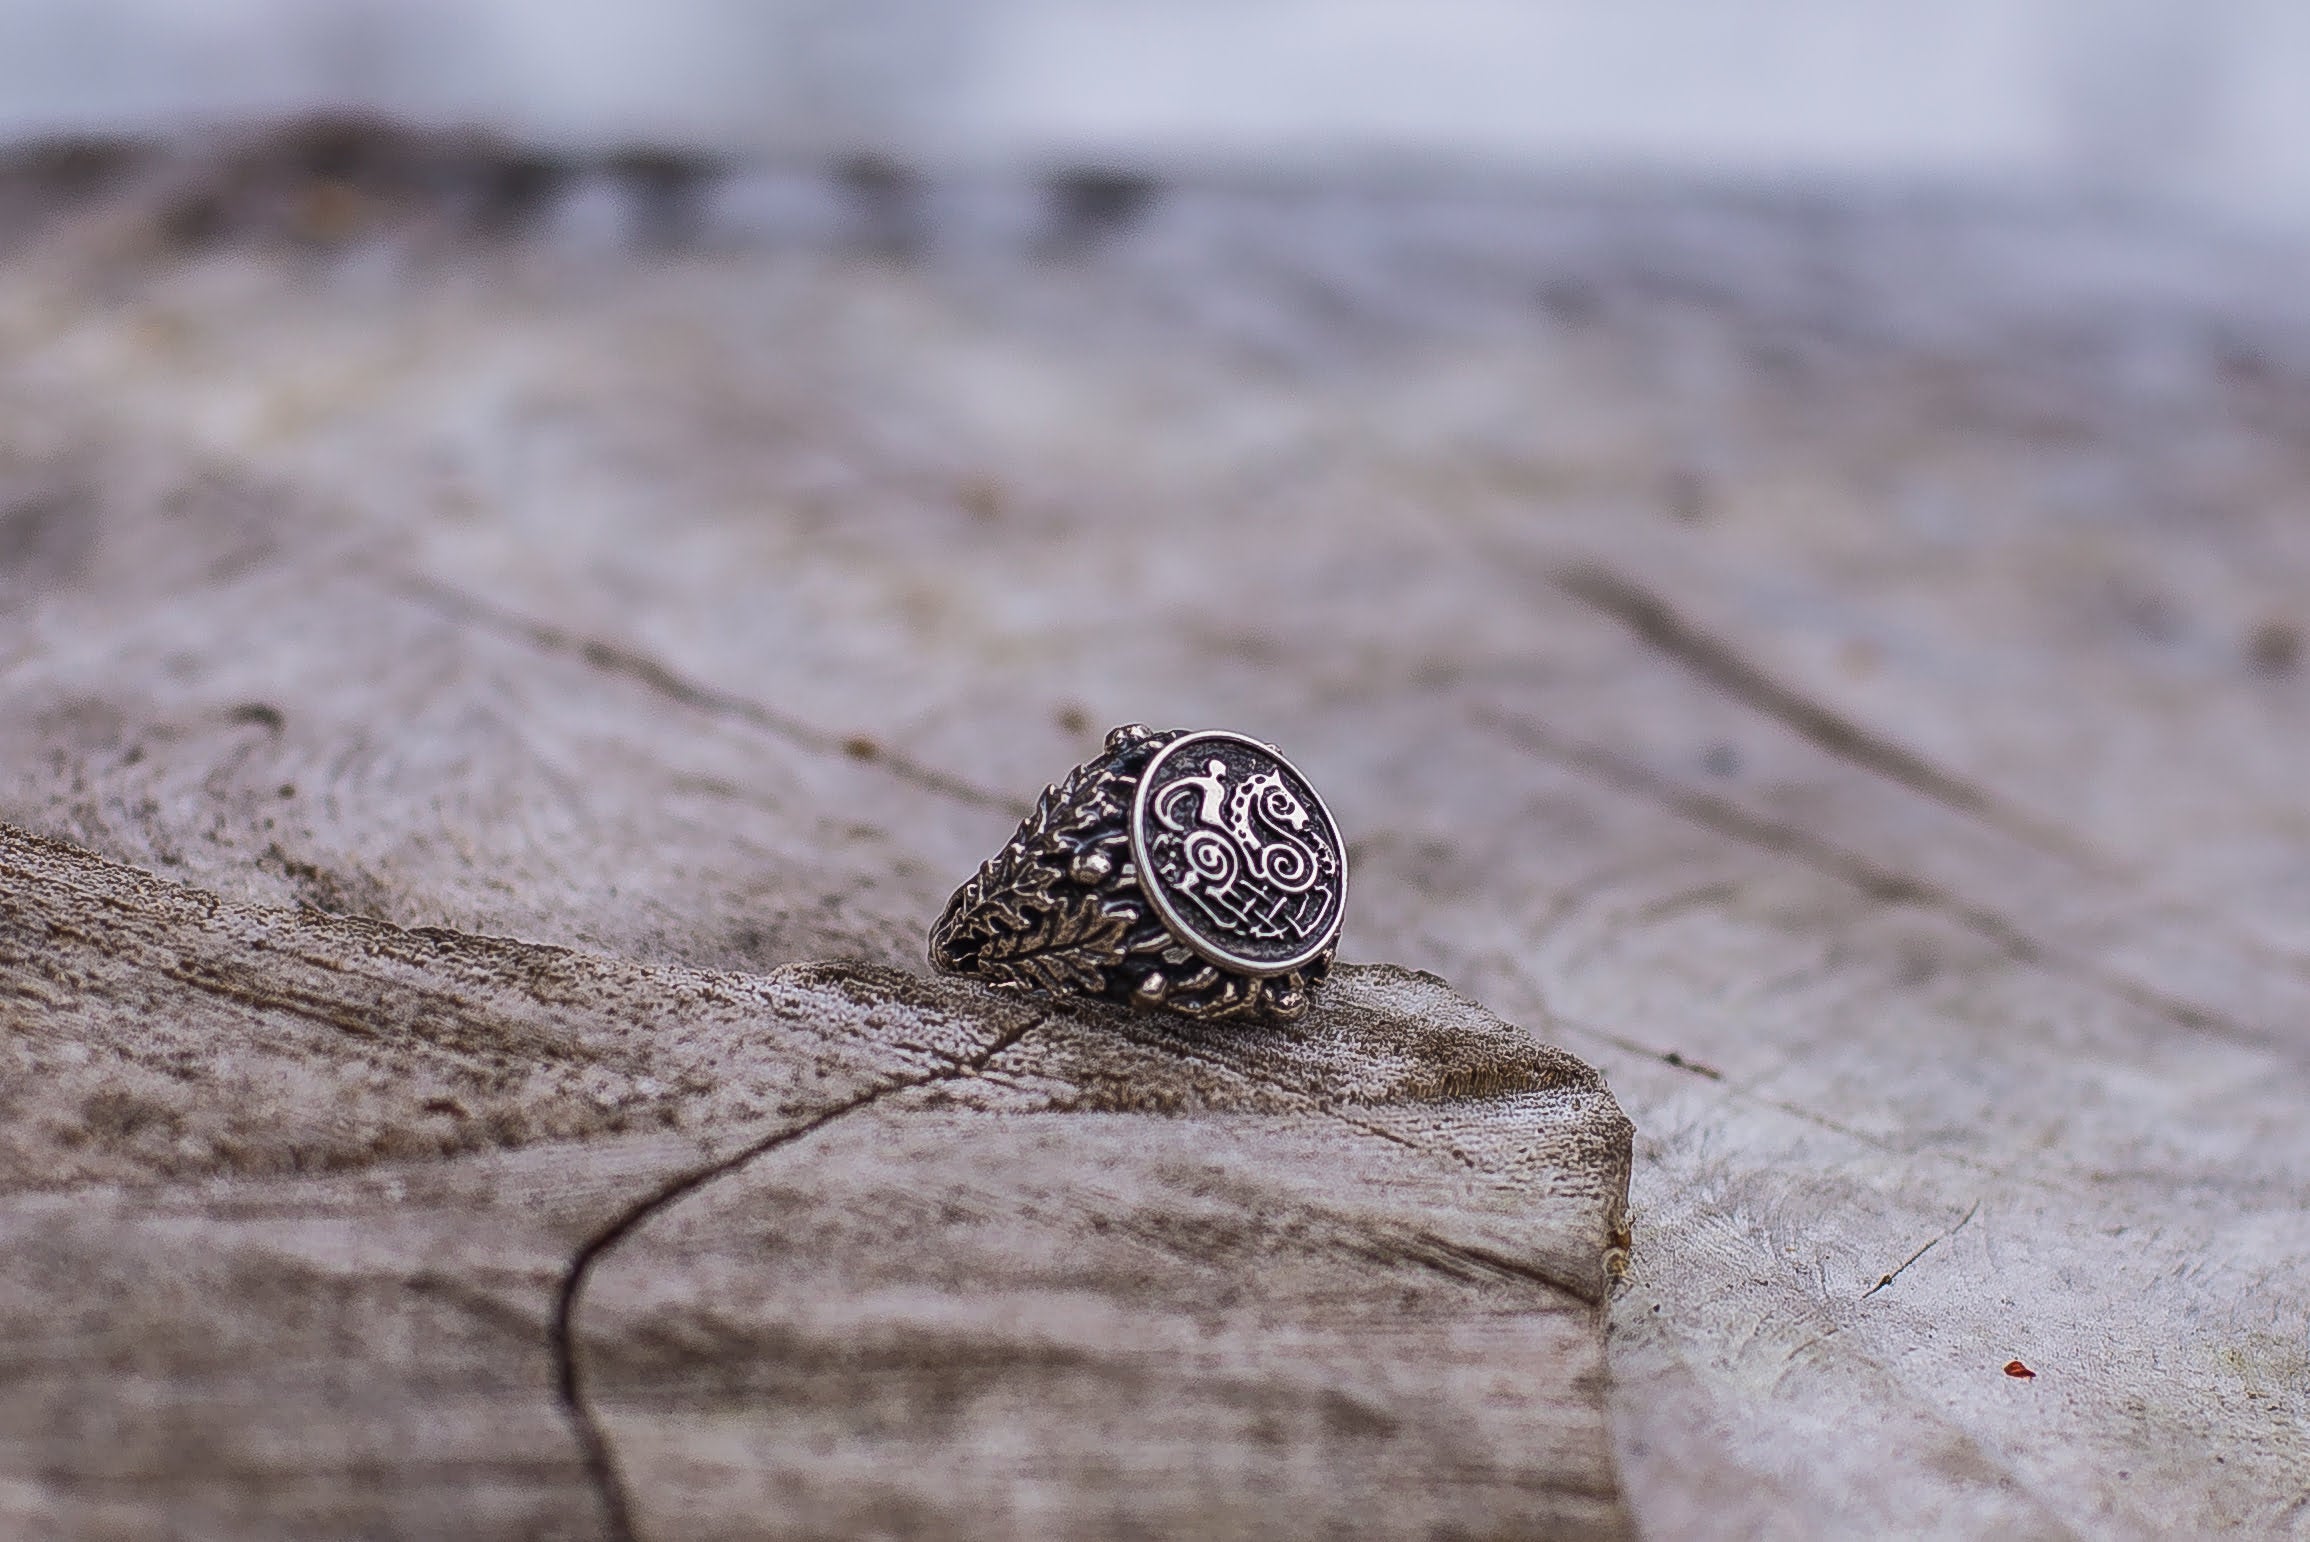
column 1065, row 949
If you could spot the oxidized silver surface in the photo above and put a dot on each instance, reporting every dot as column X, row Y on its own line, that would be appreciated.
column 1197, row 872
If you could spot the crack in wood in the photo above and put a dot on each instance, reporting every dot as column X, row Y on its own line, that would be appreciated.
column 612, row 658
column 1903, row 1267
column 1749, row 1095
column 1877, row 882
column 1661, row 628
column 595, row 1452
column 1491, row 1260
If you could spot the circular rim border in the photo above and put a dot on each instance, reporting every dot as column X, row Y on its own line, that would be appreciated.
column 1188, row 937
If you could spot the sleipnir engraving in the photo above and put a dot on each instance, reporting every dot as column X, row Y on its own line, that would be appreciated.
column 1237, row 854
column 1209, row 883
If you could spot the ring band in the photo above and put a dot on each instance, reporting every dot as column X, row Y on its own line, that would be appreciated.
column 1196, row 872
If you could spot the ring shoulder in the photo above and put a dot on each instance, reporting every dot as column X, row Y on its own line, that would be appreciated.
column 1060, row 899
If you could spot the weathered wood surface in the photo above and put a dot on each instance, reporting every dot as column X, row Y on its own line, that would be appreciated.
column 320, row 1227
column 1838, row 670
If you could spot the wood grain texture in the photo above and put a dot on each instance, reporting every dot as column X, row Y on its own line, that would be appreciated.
column 323, row 1227
column 1836, row 668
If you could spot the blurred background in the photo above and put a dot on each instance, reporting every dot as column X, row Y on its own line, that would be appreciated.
column 2200, row 103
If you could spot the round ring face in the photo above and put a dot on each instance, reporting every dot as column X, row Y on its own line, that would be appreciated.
column 1238, row 855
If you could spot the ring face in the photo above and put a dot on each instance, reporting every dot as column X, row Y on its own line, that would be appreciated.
column 1238, row 854
column 1197, row 873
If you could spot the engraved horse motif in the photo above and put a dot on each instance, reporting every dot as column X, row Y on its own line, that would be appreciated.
column 1242, row 854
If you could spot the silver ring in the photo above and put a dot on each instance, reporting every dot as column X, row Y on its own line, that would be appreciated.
column 1195, row 872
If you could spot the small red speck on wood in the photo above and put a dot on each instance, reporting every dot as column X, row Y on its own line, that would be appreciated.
column 2016, row 1369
